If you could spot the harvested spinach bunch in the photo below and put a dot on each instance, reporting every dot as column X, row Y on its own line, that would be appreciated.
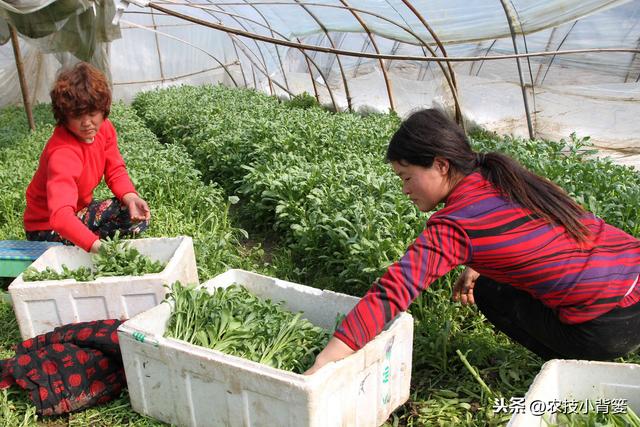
column 115, row 258
column 82, row 274
column 118, row 258
column 236, row 322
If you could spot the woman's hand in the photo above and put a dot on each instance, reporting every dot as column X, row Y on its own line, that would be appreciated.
column 335, row 350
column 463, row 288
column 95, row 248
column 138, row 208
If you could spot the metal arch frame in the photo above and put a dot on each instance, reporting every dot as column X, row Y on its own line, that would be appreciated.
column 332, row 43
column 493, row 43
column 375, row 47
column 507, row 12
column 235, row 49
column 386, row 56
column 423, row 47
column 633, row 59
column 153, row 21
column 264, row 61
column 564, row 39
column 230, row 35
column 422, row 43
column 547, row 47
column 526, row 49
column 284, row 75
column 394, row 49
column 265, row 71
column 453, row 85
column 365, row 46
column 134, row 25
column 308, row 58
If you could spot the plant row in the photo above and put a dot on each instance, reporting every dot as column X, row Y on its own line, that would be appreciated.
column 318, row 179
column 163, row 174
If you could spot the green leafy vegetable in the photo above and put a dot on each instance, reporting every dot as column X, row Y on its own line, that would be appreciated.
column 115, row 258
column 236, row 322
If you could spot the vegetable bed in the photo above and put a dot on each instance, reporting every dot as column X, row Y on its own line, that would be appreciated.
column 318, row 182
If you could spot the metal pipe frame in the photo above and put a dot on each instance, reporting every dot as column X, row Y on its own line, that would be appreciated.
column 453, row 85
column 308, row 58
column 493, row 43
column 134, row 25
column 421, row 42
column 155, row 33
column 558, row 48
column 387, row 82
column 233, row 42
column 526, row 49
column 331, row 42
column 264, row 61
column 284, row 75
column 508, row 11
column 303, row 46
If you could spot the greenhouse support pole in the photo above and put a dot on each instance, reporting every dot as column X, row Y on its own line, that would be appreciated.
column 508, row 12
column 284, row 74
column 387, row 82
column 451, row 80
column 23, row 82
column 332, row 43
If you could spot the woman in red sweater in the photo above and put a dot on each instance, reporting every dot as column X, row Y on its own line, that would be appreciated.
column 82, row 150
column 551, row 276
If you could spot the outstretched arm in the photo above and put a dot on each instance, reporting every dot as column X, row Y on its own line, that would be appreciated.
column 334, row 351
column 441, row 247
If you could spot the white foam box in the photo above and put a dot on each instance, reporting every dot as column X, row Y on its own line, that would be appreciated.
column 40, row 306
column 579, row 380
column 187, row 385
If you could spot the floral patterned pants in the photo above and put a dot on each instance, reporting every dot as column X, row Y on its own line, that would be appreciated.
column 103, row 217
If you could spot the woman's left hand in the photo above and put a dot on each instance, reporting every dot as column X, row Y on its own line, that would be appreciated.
column 138, row 208
column 463, row 288
column 334, row 351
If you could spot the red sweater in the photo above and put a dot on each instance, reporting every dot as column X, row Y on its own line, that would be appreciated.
column 68, row 172
column 505, row 242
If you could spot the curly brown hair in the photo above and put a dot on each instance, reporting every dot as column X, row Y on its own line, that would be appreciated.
column 78, row 90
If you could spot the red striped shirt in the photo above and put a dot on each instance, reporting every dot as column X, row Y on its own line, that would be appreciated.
column 502, row 240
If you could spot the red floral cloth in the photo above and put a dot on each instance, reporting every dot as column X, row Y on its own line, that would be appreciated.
column 73, row 367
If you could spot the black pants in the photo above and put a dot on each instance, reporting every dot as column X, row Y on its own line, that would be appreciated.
column 537, row 327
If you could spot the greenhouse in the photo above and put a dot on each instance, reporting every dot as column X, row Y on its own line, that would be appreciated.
column 272, row 213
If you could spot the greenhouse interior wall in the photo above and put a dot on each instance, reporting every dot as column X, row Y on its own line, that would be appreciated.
column 593, row 93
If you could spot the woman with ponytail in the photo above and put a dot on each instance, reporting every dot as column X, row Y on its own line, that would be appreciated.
column 547, row 273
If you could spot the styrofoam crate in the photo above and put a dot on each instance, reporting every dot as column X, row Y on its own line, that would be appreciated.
column 40, row 306
column 580, row 381
column 187, row 385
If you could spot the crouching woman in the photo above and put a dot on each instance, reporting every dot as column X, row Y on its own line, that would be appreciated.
column 551, row 276
column 82, row 150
